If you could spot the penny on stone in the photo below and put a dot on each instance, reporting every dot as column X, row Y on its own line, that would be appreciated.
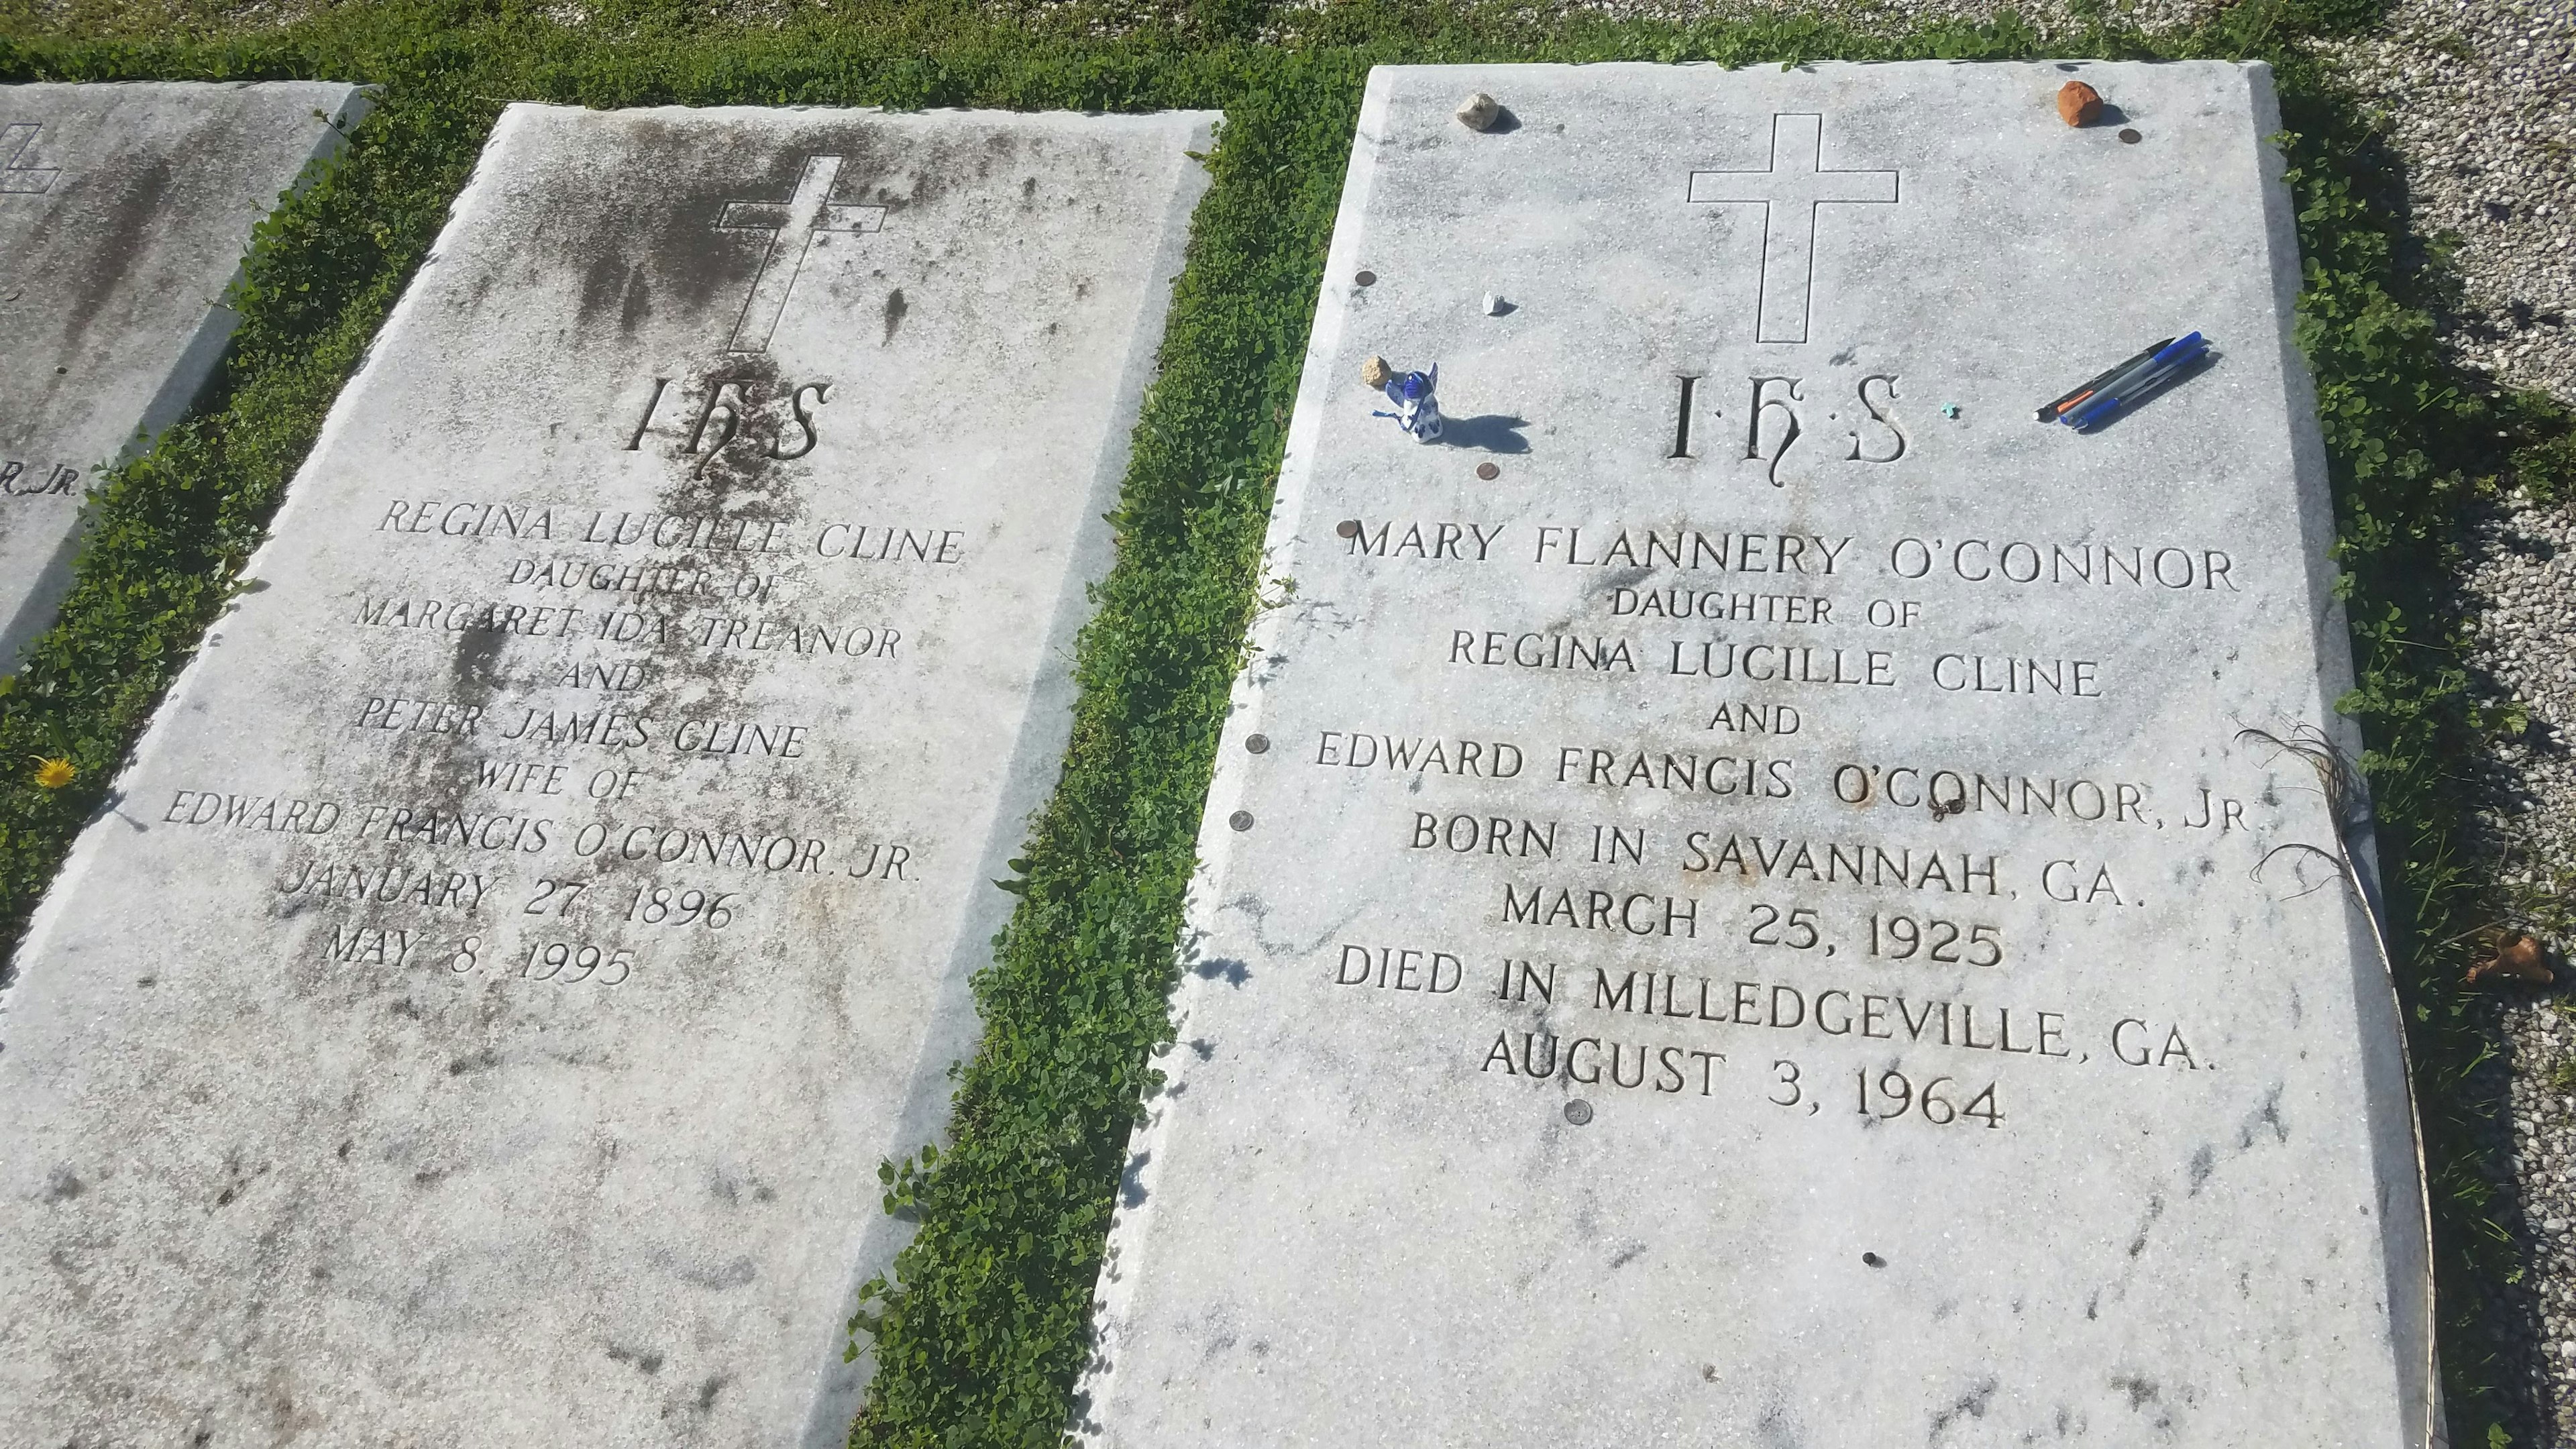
column 1348, row 528
column 1488, row 472
column 2129, row 136
column 1366, row 279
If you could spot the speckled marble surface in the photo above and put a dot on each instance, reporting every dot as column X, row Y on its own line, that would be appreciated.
column 550, row 895
column 1544, row 1072
column 125, row 211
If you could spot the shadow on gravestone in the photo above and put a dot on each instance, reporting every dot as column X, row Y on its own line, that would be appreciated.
column 1486, row 433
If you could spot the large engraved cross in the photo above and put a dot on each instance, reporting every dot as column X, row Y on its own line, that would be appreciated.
column 1790, row 190
column 792, row 225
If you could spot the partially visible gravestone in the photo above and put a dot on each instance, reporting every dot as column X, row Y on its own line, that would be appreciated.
column 124, row 214
column 549, row 897
column 1737, row 905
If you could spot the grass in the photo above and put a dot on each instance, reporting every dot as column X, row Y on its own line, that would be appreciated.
column 981, row 1328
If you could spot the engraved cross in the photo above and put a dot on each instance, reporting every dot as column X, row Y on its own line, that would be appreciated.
column 1790, row 190
column 21, row 175
column 792, row 226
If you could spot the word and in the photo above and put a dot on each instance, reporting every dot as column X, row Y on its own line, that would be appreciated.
column 1748, row 717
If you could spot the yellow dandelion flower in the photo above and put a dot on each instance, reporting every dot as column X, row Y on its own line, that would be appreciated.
column 55, row 773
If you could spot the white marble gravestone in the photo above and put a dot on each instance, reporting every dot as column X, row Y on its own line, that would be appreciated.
column 124, row 214
column 528, row 925
column 1744, row 927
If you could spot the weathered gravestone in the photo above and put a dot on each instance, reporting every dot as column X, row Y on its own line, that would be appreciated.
column 124, row 214
column 1744, row 927
column 529, row 924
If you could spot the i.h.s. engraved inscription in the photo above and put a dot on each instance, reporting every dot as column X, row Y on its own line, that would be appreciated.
column 1777, row 415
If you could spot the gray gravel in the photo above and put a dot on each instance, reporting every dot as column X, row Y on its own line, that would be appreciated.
column 2536, row 1324
column 2481, row 97
column 2522, row 590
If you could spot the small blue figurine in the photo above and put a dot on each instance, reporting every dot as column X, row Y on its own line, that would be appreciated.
column 1417, row 402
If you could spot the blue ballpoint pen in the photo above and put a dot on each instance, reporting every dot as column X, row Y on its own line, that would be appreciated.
column 2137, row 382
